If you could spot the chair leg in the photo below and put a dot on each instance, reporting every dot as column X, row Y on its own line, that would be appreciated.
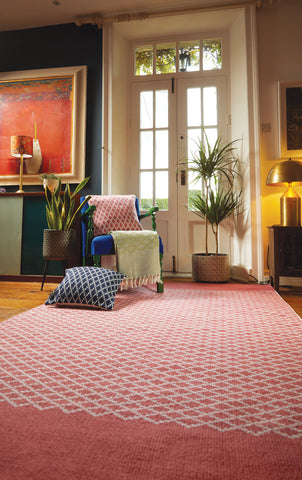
column 96, row 260
column 160, row 286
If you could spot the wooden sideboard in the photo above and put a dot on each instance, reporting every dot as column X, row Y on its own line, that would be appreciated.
column 285, row 253
column 22, row 221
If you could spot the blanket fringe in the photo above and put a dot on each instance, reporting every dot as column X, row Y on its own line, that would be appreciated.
column 139, row 282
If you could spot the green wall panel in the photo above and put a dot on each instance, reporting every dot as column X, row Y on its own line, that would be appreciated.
column 11, row 234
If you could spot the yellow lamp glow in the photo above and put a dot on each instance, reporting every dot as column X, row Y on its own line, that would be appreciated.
column 285, row 174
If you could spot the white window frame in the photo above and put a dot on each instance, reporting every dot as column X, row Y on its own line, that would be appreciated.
column 216, row 36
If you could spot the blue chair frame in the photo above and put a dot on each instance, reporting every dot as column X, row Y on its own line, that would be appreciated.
column 94, row 247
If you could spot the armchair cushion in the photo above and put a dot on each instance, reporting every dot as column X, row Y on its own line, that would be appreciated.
column 114, row 212
column 87, row 286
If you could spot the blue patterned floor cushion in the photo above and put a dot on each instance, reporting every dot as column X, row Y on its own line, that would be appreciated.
column 92, row 286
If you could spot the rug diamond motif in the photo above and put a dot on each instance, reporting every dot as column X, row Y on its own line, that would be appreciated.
column 226, row 358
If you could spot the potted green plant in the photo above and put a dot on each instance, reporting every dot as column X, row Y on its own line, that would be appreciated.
column 50, row 180
column 61, row 211
column 217, row 167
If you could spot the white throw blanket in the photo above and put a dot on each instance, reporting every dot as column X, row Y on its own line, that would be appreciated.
column 137, row 257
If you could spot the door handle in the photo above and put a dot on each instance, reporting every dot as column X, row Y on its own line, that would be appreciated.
column 183, row 177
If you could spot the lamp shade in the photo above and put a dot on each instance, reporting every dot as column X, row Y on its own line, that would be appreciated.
column 21, row 145
column 283, row 173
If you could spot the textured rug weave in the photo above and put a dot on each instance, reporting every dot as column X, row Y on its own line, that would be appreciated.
column 202, row 382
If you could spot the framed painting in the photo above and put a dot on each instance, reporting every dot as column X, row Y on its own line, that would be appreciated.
column 50, row 106
column 290, row 119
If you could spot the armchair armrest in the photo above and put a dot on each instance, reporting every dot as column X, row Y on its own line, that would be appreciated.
column 151, row 212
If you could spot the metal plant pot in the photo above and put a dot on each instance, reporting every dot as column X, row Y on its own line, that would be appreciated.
column 58, row 244
column 210, row 268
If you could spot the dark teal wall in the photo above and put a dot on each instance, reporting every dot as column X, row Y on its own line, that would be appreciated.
column 63, row 46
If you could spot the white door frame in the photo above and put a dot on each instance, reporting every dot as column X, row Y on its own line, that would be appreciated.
column 249, row 21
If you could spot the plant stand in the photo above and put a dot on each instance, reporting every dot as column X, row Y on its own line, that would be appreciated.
column 64, row 263
column 58, row 245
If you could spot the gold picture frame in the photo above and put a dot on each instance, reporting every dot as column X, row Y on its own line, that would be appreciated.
column 50, row 106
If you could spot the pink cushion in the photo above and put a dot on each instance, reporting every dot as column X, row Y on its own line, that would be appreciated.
column 114, row 212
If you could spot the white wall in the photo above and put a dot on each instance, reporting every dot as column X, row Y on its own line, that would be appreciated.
column 280, row 59
column 247, row 239
column 120, row 87
column 241, row 251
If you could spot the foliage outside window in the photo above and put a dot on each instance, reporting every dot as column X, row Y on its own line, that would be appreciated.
column 211, row 55
column 147, row 203
column 188, row 57
column 166, row 58
column 144, row 60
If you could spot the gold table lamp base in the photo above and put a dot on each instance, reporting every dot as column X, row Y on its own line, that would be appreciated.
column 290, row 208
column 21, row 176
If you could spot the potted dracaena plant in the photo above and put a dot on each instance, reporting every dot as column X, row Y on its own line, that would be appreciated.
column 217, row 166
column 61, row 211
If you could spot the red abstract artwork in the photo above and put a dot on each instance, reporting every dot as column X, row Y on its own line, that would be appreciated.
column 43, row 109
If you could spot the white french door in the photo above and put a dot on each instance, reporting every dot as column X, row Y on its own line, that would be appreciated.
column 201, row 105
column 167, row 117
column 153, row 156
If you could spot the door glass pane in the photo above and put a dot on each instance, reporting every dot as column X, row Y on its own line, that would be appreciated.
column 144, row 60
column 211, row 55
column 146, row 190
column 161, row 190
column 146, row 150
column 212, row 135
column 161, row 149
column 165, row 58
column 194, row 188
column 210, row 106
column 154, row 148
column 194, row 107
column 194, row 135
column 189, row 56
column 161, row 109
column 194, row 184
column 146, row 109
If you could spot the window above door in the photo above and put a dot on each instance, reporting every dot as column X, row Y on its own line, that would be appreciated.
column 199, row 55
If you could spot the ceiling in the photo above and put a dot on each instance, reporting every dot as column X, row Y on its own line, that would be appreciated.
column 23, row 14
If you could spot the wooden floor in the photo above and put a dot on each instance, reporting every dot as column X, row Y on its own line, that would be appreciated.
column 16, row 297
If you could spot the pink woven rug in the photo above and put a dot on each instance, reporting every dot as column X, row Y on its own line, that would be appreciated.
column 202, row 382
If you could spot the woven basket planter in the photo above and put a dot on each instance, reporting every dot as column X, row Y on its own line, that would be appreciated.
column 210, row 268
column 58, row 244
